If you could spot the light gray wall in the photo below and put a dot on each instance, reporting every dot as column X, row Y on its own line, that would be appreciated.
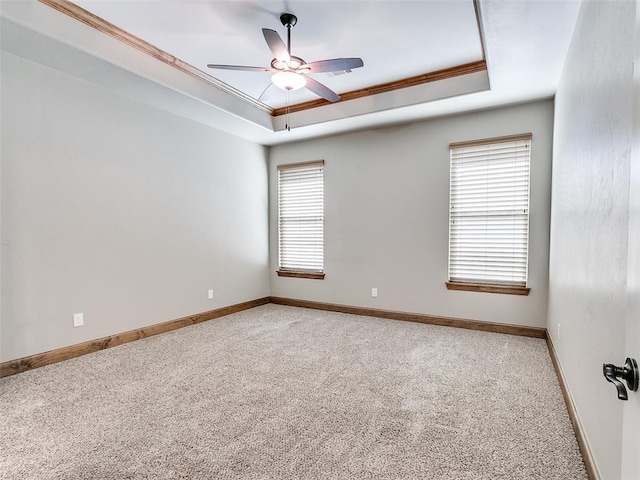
column 386, row 217
column 119, row 210
column 590, row 218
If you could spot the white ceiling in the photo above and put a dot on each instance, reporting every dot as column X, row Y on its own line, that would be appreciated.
column 525, row 45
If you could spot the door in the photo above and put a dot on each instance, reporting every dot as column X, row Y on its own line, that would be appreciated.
column 631, row 410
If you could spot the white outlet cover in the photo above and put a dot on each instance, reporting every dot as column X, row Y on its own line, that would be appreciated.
column 210, row 294
column 374, row 292
column 78, row 319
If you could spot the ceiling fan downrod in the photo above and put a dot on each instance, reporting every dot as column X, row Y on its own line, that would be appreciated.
column 289, row 20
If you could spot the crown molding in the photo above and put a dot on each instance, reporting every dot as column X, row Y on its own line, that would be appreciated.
column 80, row 14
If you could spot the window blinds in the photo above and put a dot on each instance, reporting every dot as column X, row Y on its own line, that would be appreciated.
column 489, row 211
column 301, row 217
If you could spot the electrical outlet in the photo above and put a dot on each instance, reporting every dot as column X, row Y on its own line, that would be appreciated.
column 78, row 319
column 374, row 292
column 210, row 294
column 558, row 331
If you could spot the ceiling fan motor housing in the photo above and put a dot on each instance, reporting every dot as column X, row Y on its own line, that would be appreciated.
column 294, row 64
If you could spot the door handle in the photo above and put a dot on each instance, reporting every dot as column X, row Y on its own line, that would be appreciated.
column 628, row 372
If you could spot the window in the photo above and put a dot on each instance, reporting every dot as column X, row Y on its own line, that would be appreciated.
column 489, row 215
column 301, row 220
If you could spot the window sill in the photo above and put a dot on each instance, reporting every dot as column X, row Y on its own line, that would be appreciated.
column 479, row 287
column 293, row 274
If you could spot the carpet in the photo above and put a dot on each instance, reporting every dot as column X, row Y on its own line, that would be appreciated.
column 279, row 392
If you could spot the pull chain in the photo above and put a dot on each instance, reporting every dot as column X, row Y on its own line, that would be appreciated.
column 287, row 124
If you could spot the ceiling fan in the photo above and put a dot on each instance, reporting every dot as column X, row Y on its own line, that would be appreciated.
column 290, row 72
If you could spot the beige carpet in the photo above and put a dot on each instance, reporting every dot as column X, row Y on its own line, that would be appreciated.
column 281, row 393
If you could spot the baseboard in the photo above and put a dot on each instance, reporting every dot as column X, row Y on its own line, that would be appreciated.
column 24, row 364
column 41, row 359
column 535, row 332
column 587, row 455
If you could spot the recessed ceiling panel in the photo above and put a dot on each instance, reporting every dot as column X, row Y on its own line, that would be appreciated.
column 395, row 39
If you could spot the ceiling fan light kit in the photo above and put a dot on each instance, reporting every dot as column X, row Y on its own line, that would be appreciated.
column 287, row 80
column 290, row 72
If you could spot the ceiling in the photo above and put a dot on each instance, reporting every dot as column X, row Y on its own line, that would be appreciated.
column 230, row 33
column 421, row 58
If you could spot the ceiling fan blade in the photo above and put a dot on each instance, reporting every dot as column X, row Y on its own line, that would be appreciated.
column 241, row 67
column 319, row 89
column 276, row 45
column 333, row 65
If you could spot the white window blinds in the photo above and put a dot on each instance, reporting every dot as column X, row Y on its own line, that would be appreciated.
column 489, row 211
column 301, row 217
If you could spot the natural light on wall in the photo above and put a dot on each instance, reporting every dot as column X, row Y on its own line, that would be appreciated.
column 489, row 211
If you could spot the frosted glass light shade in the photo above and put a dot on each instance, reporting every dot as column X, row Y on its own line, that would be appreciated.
column 289, row 80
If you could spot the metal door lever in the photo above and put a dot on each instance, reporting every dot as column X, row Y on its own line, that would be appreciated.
column 628, row 372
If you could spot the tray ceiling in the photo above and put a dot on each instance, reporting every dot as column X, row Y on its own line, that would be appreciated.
column 408, row 38
column 421, row 58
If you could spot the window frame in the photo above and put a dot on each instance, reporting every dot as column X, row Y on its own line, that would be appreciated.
column 490, row 286
column 299, row 272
